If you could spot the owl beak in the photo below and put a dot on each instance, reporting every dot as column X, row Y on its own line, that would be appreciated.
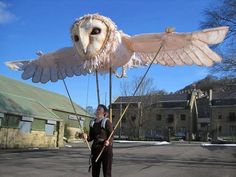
column 84, row 46
column 84, row 42
column 85, row 51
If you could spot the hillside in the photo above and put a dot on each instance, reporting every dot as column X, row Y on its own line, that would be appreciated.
column 211, row 82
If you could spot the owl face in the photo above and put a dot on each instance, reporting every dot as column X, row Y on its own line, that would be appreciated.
column 89, row 36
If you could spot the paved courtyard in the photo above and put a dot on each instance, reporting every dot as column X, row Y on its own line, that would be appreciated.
column 130, row 160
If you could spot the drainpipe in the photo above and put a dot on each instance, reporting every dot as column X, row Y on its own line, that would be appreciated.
column 139, row 118
column 211, row 117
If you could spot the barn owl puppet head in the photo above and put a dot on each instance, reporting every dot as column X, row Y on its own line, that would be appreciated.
column 95, row 37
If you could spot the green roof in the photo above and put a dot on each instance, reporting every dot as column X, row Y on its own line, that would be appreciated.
column 49, row 99
column 24, row 106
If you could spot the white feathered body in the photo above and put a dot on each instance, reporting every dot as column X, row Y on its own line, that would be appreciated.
column 98, row 45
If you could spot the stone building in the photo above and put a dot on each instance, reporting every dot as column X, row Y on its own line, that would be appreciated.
column 192, row 114
column 157, row 116
column 223, row 113
column 33, row 117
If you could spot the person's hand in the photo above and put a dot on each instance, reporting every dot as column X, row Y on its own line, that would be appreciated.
column 106, row 143
column 82, row 136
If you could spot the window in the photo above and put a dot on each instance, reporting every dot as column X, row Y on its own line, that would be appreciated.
column 10, row 121
column 183, row 129
column 133, row 118
column 232, row 117
column 219, row 116
column 232, row 130
column 26, row 124
column 1, row 117
column 158, row 117
column 154, row 105
column 50, row 127
column 81, row 121
column 170, row 118
column 182, row 117
column 38, row 125
column 204, row 125
column 25, row 127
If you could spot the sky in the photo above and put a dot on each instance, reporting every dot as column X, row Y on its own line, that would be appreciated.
column 27, row 26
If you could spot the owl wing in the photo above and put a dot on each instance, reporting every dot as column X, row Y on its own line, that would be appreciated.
column 52, row 66
column 177, row 48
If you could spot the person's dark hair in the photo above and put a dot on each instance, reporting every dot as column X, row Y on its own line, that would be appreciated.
column 104, row 107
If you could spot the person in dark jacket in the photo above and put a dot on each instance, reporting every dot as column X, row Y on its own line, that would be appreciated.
column 100, row 130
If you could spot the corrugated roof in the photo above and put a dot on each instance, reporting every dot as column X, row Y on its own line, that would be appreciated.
column 223, row 102
column 150, row 99
column 24, row 106
column 49, row 99
column 223, row 93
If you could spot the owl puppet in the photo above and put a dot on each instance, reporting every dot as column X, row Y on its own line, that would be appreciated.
column 98, row 46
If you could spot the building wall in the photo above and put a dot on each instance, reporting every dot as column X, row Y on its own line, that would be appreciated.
column 152, row 122
column 71, row 124
column 221, row 124
column 72, row 133
column 25, row 132
column 162, row 120
column 129, row 125
column 13, row 138
column 34, row 134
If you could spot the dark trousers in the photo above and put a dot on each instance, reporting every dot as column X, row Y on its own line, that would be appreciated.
column 105, row 159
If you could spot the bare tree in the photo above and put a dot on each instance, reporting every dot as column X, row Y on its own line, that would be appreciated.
column 136, row 119
column 127, row 88
column 223, row 13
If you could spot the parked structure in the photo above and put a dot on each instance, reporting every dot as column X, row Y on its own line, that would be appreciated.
column 33, row 117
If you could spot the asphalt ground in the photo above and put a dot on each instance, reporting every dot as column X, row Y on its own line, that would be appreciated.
column 130, row 160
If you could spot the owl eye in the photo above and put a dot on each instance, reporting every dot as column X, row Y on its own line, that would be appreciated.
column 76, row 38
column 95, row 31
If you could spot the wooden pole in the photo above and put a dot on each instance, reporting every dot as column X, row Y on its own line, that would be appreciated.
column 110, row 94
column 97, row 84
column 77, row 117
column 126, row 108
column 72, row 104
column 113, row 131
column 120, row 122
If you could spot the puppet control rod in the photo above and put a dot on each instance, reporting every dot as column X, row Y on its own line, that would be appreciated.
column 77, row 117
column 97, row 85
column 129, row 102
